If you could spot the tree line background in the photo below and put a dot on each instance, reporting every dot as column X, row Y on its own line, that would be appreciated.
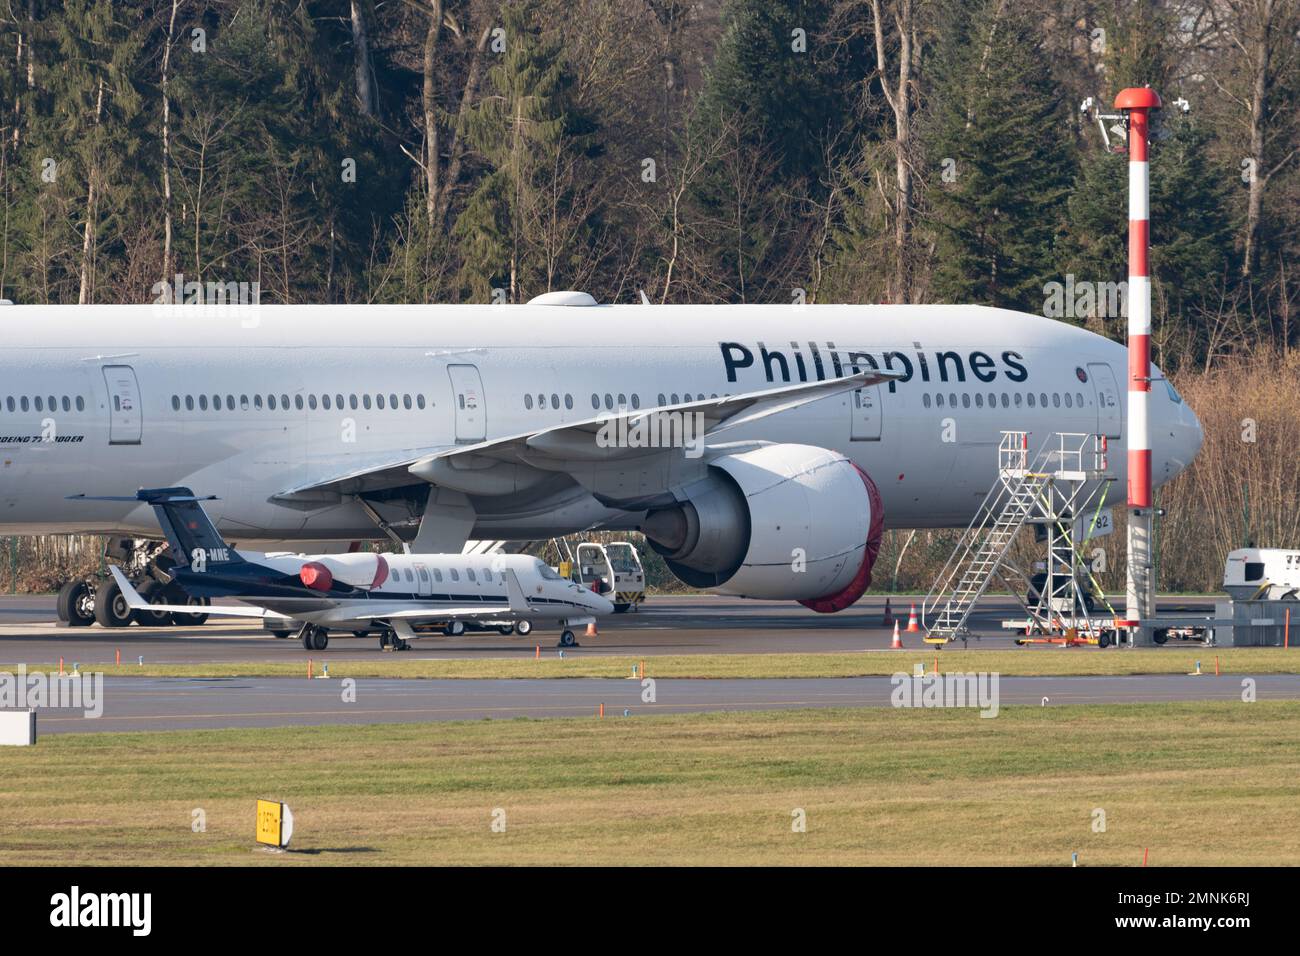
column 708, row 151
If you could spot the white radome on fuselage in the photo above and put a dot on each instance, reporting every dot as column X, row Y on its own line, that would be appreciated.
column 932, row 463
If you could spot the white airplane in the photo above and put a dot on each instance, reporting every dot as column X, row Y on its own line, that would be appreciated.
column 761, row 448
column 393, row 592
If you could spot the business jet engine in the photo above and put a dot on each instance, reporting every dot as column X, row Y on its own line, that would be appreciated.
column 786, row 522
column 361, row 569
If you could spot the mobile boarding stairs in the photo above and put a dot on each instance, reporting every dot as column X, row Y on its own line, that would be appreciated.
column 1052, row 487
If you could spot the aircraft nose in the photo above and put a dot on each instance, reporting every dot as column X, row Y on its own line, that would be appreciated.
column 1196, row 435
column 601, row 604
column 1187, row 436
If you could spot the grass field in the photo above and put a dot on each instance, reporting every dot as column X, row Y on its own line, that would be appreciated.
column 1206, row 783
column 1022, row 662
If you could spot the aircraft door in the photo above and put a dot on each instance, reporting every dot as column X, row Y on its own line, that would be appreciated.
column 1109, row 422
column 865, row 406
column 467, row 394
column 125, row 420
column 423, row 580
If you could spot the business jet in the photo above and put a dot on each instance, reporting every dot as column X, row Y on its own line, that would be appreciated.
column 762, row 449
column 394, row 592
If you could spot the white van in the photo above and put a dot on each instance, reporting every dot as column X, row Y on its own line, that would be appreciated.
column 1262, row 574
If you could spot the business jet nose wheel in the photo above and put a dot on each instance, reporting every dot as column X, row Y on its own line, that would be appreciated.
column 567, row 639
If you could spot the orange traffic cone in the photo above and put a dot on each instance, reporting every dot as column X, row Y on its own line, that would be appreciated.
column 912, row 626
column 591, row 630
column 897, row 644
column 889, row 615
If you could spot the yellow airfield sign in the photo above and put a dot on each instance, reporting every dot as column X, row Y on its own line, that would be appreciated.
column 274, row 823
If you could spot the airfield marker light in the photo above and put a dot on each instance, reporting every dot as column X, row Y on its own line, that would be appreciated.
column 60, row 666
column 117, row 657
column 561, row 655
column 537, row 653
column 601, row 713
column 641, row 670
column 1216, row 665
column 140, row 660
column 1074, row 859
column 76, row 668
column 627, row 712
column 1136, row 103
column 309, row 668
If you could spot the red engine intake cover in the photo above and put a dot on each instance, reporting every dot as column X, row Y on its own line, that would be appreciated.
column 316, row 576
column 831, row 603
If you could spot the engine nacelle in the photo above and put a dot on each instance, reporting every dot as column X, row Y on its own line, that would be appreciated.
column 786, row 522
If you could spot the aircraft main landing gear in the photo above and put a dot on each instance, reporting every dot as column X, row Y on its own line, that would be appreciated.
column 314, row 638
column 76, row 604
column 147, row 566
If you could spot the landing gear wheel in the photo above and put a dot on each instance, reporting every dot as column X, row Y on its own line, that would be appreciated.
column 506, row 629
column 567, row 639
column 111, row 609
column 76, row 604
column 154, row 593
column 177, row 595
column 523, row 628
column 320, row 639
column 454, row 628
column 1103, row 640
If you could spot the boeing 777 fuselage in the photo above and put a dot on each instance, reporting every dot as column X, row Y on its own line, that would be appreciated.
column 445, row 423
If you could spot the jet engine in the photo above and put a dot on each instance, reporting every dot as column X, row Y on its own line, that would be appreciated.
column 785, row 521
column 359, row 570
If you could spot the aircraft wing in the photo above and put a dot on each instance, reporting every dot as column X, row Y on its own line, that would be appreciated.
column 137, row 603
column 580, row 439
column 363, row 474
column 518, row 461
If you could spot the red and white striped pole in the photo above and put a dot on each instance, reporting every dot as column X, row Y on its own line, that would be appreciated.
column 1137, row 104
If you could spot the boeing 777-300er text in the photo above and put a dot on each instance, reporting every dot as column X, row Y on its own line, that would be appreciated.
column 762, row 449
column 392, row 593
